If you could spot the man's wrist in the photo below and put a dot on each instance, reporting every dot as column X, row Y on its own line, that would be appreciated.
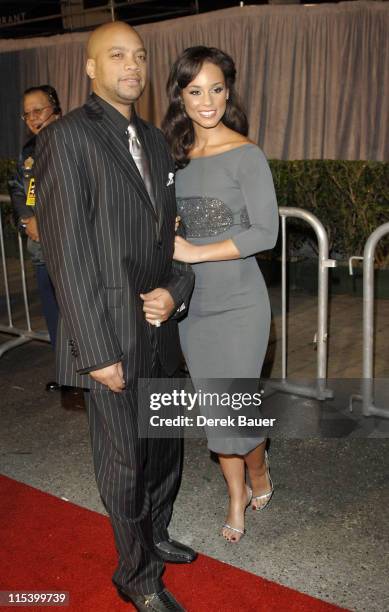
column 99, row 366
column 173, row 297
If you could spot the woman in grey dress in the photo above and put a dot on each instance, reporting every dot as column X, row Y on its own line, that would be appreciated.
column 227, row 205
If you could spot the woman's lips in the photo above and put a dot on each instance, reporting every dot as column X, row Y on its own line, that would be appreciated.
column 207, row 114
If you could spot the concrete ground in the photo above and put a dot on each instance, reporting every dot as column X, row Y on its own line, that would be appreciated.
column 326, row 529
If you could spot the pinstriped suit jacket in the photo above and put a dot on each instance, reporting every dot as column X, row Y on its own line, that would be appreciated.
column 104, row 244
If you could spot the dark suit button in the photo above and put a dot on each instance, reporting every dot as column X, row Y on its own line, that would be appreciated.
column 159, row 244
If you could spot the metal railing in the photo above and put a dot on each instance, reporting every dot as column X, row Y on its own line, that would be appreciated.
column 319, row 391
column 367, row 396
column 26, row 334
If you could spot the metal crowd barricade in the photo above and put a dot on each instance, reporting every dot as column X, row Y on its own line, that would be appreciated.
column 367, row 396
column 319, row 391
column 22, row 335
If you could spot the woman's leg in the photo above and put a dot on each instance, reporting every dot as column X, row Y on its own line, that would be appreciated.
column 233, row 468
column 258, row 474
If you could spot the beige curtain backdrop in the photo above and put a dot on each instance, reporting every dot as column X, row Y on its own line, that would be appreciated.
column 313, row 80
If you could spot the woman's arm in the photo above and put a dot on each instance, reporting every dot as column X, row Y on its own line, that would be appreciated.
column 258, row 196
column 215, row 251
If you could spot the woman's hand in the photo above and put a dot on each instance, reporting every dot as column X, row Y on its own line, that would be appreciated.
column 31, row 228
column 178, row 219
column 185, row 251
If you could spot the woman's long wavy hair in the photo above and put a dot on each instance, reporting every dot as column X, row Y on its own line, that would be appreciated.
column 176, row 125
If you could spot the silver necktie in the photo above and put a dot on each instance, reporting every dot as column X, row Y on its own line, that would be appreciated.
column 140, row 160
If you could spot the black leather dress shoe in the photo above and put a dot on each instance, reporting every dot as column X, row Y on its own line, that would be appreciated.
column 157, row 602
column 175, row 552
column 53, row 386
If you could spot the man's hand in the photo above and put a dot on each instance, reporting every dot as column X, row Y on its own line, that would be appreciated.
column 31, row 228
column 158, row 305
column 111, row 377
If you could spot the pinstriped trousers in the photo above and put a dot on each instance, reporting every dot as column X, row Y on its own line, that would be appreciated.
column 137, row 480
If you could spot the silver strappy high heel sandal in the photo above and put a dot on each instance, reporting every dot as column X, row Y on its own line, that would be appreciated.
column 265, row 497
column 241, row 532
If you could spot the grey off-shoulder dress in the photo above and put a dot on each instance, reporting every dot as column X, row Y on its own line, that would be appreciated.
column 226, row 331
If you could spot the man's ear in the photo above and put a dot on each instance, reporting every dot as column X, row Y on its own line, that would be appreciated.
column 90, row 68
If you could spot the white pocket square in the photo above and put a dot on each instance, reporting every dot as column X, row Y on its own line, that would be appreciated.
column 170, row 179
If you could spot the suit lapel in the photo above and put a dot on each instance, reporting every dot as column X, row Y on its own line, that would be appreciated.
column 107, row 134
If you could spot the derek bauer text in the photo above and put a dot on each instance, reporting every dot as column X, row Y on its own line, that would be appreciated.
column 201, row 421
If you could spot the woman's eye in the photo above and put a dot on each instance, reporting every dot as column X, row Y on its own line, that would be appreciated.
column 195, row 92
column 218, row 89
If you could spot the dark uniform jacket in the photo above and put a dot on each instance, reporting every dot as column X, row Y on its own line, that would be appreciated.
column 21, row 184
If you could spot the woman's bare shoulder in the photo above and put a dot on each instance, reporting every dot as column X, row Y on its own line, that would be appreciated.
column 232, row 140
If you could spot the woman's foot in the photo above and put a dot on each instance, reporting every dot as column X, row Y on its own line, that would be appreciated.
column 262, row 485
column 233, row 529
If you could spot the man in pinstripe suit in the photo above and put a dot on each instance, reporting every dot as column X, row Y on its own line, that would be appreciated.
column 107, row 234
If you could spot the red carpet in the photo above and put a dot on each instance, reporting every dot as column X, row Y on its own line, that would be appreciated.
column 49, row 544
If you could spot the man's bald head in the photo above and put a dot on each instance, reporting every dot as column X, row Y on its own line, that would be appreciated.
column 98, row 36
column 117, row 64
